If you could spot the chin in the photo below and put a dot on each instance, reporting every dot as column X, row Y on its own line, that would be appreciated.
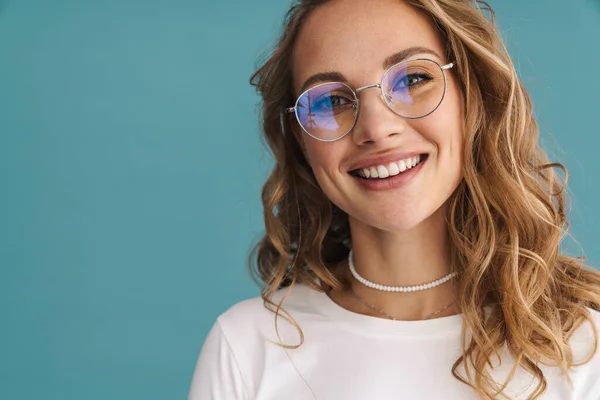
column 399, row 222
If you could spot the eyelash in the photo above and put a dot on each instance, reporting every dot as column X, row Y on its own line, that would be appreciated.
column 424, row 78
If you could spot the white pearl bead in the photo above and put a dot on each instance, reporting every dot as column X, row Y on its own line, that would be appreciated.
column 395, row 288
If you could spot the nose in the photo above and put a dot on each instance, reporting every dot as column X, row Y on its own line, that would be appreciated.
column 376, row 121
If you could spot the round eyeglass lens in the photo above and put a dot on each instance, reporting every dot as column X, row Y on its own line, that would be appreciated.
column 327, row 111
column 415, row 88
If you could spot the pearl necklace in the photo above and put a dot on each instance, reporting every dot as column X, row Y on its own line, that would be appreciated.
column 386, row 288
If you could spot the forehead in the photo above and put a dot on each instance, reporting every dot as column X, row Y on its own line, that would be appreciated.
column 355, row 37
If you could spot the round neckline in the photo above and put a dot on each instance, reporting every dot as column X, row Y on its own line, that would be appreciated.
column 371, row 325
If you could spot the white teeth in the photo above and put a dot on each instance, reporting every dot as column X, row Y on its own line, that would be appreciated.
column 401, row 165
column 382, row 172
column 392, row 169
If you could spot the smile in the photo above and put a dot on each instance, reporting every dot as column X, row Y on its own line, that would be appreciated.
column 389, row 170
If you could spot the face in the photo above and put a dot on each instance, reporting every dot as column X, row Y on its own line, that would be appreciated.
column 354, row 38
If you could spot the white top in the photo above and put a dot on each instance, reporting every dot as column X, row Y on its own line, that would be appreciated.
column 350, row 356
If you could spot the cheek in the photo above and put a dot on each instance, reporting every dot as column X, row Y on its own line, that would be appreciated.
column 447, row 126
column 444, row 129
column 320, row 155
column 325, row 160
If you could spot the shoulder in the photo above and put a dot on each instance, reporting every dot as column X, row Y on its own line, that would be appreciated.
column 236, row 349
column 295, row 298
column 252, row 319
column 588, row 328
column 585, row 343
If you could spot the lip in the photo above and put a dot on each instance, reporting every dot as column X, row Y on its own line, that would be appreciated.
column 392, row 182
column 383, row 160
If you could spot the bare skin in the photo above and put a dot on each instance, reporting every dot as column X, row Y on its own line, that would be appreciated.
column 344, row 298
column 399, row 236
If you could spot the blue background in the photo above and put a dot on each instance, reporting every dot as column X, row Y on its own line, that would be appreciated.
column 131, row 169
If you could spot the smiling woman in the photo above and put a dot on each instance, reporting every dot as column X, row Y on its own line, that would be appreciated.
column 413, row 223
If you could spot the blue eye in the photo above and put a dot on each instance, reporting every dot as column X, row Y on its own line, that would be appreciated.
column 410, row 81
column 329, row 103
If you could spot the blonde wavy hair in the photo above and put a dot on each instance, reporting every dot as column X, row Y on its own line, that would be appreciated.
column 506, row 219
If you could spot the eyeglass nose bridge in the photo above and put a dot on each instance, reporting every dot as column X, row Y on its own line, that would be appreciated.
column 375, row 85
column 360, row 89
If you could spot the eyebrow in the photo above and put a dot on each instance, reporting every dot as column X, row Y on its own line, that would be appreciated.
column 334, row 76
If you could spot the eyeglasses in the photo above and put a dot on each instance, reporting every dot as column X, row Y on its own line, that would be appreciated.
column 411, row 89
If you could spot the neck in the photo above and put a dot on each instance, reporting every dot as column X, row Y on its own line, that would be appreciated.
column 415, row 257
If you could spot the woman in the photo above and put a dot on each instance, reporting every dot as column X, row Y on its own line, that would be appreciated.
column 412, row 222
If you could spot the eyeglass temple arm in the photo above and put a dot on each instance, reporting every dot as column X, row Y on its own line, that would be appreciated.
column 448, row 66
column 290, row 110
